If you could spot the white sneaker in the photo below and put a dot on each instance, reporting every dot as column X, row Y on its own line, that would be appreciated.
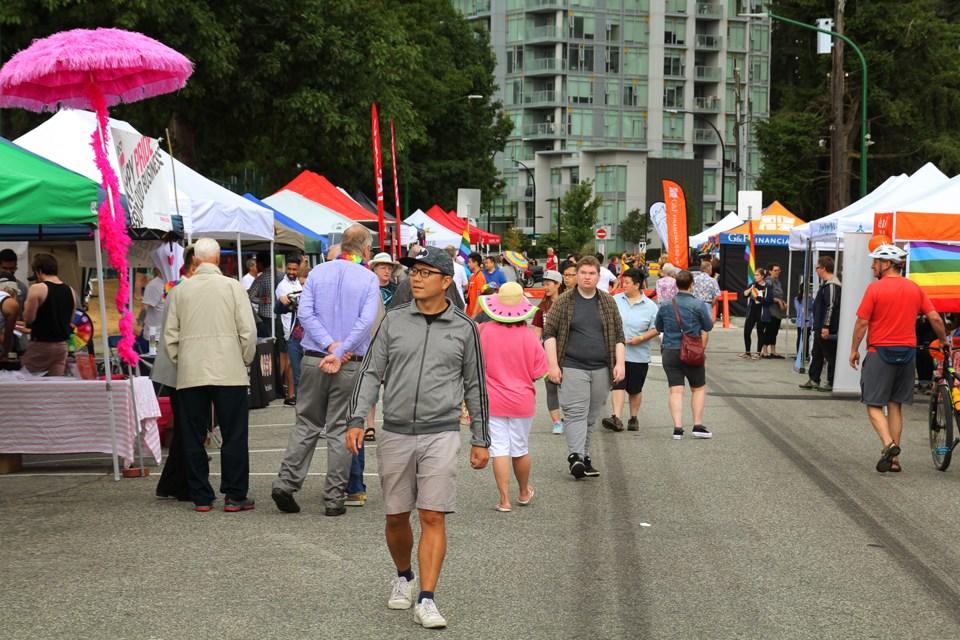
column 558, row 428
column 426, row 615
column 402, row 595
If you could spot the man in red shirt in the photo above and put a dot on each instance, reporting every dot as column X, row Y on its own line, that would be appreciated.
column 888, row 315
column 551, row 264
column 476, row 284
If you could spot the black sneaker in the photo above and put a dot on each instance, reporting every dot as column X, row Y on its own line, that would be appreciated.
column 677, row 433
column 588, row 469
column 613, row 423
column 577, row 468
column 700, row 431
column 290, row 402
column 244, row 504
column 285, row 501
column 633, row 424
column 334, row 511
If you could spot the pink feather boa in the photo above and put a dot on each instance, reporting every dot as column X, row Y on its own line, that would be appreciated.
column 113, row 228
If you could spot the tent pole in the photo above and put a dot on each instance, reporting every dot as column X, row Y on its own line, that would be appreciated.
column 273, row 288
column 239, row 260
column 105, row 344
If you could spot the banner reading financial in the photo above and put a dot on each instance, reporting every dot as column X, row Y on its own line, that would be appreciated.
column 141, row 171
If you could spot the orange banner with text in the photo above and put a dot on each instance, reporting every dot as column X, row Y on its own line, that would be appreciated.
column 676, row 205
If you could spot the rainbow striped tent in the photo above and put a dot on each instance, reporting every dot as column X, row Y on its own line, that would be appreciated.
column 936, row 268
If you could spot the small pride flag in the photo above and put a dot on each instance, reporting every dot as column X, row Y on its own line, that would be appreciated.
column 465, row 241
column 936, row 268
column 750, row 255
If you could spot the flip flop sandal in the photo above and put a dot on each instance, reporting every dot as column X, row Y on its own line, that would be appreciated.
column 524, row 503
column 502, row 509
column 370, row 435
column 757, row 356
column 887, row 455
column 745, row 355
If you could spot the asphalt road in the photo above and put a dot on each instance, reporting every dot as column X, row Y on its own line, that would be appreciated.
column 779, row 527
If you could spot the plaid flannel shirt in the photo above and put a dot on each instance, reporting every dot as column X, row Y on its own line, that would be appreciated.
column 558, row 319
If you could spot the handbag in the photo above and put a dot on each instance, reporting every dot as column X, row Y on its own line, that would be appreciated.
column 691, row 347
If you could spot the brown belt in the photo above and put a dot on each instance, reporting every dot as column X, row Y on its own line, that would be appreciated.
column 321, row 354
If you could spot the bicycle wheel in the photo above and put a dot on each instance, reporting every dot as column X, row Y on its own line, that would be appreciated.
column 941, row 427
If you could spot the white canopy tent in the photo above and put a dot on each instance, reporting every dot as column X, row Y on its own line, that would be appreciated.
column 310, row 214
column 207, row 208
column 732, row 220
column 437, row 234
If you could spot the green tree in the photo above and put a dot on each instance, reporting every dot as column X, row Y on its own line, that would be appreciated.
column 636, row 226
column 792, row 157
column 579, row 211
column 514, row 239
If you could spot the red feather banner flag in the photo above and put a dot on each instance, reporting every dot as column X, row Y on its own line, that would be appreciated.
column 378, row 172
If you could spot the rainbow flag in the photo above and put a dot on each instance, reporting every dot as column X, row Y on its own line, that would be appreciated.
column 750, row 254
column 465, row 241
column 936, row 268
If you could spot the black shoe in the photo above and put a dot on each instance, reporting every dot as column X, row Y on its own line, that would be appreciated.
column 285, row 501
column 231, row 506
column 588, row 469
column 577, row 468
column 633, row 424
column 290, row 402
column 700, row 431
column 613, row 423
column 677, row 433
column 335, row 511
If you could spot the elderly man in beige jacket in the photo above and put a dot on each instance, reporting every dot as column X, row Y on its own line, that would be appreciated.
column 211, row 337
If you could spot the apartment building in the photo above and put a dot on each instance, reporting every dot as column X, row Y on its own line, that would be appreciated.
column 606, row 89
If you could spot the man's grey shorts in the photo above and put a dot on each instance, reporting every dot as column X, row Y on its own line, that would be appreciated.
column 418, row 471
column 881, row 383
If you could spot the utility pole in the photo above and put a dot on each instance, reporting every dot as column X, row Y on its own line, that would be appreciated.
column 839, row 181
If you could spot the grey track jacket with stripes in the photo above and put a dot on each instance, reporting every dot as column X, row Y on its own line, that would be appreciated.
column 427, row 371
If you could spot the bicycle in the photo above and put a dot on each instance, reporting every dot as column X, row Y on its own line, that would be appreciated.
column 944, row 414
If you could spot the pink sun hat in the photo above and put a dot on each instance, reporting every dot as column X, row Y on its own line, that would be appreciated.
column 509, row 305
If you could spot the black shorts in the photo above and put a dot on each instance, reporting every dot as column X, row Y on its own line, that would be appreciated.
column 677, row 371
column 881, row 383
column 635, row 376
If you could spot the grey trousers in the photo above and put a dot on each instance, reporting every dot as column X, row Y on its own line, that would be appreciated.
column 321, row 402
column 583, row 395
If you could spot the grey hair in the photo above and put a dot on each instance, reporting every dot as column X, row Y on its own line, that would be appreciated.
column 206, row 249
column 251, row 262
column 355, row 239
column 668, row 269
column 10, row 286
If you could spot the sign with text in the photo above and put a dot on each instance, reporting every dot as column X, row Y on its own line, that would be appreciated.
column 140, row 170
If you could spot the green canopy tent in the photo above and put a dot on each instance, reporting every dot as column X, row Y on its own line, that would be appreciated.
column 39, row 198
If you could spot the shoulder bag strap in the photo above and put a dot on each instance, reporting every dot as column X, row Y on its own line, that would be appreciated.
column 677, row 311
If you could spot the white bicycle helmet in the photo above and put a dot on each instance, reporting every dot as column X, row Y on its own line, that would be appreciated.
column 890, row 252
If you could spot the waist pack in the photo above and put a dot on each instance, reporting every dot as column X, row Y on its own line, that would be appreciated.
column 896, row 355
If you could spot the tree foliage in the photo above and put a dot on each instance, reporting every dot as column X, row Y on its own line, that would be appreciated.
column 636, row 226
column 579, row 211
column 914, row 111
column 282, row 87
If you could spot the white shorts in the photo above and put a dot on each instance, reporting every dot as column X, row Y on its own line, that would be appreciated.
column 509, row 436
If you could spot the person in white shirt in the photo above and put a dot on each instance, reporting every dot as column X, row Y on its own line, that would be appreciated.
column 151, row 311
column 460, row 278
column 288, row 286
column 252, row 273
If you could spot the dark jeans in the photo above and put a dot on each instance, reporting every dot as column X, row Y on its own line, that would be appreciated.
column 355, row 483
column 770, row 330
column 823, row 349
column 295, row 353
column 752, row 320
column 173, row 477
column 231, row 406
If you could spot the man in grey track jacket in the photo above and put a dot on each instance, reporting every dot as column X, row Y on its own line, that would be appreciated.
column 426, row 355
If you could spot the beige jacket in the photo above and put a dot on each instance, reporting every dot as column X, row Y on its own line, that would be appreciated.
column 210, row 334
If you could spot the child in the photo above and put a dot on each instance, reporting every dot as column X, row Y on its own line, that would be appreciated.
column 514, row 360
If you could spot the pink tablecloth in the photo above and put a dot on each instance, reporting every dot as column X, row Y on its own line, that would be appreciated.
column 65, row 415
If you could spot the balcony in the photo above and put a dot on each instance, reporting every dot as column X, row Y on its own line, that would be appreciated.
column 709, row 11
column 543, row 99
column 520, row 192
column 707, row 74
column 707, row 42
column 546, row 5
column 674, row 136
column 706, row 104
column 544, row 66
column 476, row 8
column 705, row 136
column 547, row 33
column 542, row 130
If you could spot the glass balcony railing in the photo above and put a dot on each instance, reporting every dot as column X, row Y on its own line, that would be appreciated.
column 709, row 10
column 706, row 103
column 541, row 65
column 707, row 41
column 542, row 98
column 707, row 74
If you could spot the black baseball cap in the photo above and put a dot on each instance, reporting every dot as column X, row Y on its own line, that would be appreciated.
column 433, row 256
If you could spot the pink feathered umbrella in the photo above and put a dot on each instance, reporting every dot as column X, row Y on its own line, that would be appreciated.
column 96, row 69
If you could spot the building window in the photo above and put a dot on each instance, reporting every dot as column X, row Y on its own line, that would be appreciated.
column 635, row 126
column 737, row 35
column 636, row 61
column 758, row 100
column 760, row 37
column 760, row 69
column 581, row 122
column 613, row 28
column 709, row 182
column 635, row 94
column 636, row 5
column 613, row 60
column 582, row 27
column 675, row 31
column 675, row 6
column 515, row 60
column 580, row 90
column 581, row 58
column 611, row 92
column 673, row 126
column 636, row 30
column 611, row 124
column 674, row 63
column 673, row 94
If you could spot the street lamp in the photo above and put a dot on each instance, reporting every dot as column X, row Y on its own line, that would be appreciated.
column 723, row 152
column 533, row 183
column 406, row 177
column 864, row 136
column 557, row 200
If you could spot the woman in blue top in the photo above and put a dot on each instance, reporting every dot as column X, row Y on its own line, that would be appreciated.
column 695, row 318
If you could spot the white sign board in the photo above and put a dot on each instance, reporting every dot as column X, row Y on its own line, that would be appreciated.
column 148, row 198
column 468, row 203
column 749, row 204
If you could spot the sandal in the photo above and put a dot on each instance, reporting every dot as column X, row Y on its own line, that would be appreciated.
column 887, row 455
column 370, row 435
column 745, row 354
column 895, row 466
column 756, row 356
column 777, row 356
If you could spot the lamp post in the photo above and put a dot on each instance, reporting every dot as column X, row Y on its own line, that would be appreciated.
column 557, row 200
column 533, row 183
column 864, row 136
column 723, row 152
column 406, row 177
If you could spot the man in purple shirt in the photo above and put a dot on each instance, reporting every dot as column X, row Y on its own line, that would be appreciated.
column 338, row 309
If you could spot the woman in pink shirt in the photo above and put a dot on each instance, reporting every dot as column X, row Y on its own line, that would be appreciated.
column 514, row 360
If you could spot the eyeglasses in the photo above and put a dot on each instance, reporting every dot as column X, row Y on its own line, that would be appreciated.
column 424, row 273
